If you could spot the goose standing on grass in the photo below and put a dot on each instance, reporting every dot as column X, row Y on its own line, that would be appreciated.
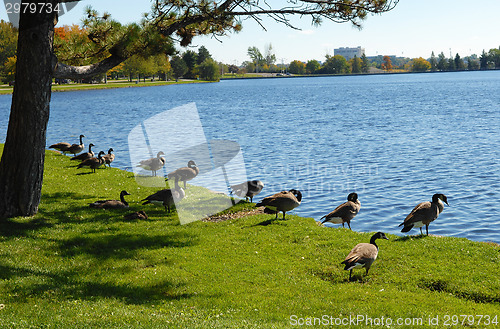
column 363, row 254
column 63, row 146
column 111, row 204
column 424, row 213
column 86, row 155
column 185, row 174
column 283, row 201
column 93, row 163
column 76, row 148
column 247, row 189
column 166, row 197
column 153, row 164
column 108, row 158
column 345, row 212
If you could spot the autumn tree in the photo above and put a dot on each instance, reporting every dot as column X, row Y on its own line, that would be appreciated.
column 297, row 67
column 420, row 65
column 387, row 64
column 21, row 173
column 8, row 44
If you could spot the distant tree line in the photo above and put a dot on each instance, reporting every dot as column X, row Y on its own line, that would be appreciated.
column 339, row 65
column 76, row 46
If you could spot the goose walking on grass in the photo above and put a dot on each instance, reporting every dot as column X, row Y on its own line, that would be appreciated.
column 93, row 163
column 185, row 174
column 86, row 155
column 166, row 197
column 424, row 213
column 283, row 201
column 76, row 148
column 111, row 204
column 247, row 189
column 64, row 147
column 363, row 254
column 345, row 212
column 108, row 158
column 153, row 164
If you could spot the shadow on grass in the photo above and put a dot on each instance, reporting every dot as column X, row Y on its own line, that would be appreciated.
column 443, row 286
column 15, row 228
column 122, row 246
column 335, row 278
column 410, row 237
column 71, row 285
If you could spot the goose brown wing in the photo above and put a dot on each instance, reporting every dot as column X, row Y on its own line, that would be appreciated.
column 421, row 212
column 362, row 253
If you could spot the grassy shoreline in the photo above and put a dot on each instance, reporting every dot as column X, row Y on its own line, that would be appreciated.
column 70, row 266
column 5, row 90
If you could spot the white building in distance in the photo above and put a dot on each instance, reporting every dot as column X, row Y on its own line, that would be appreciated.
column 349, row 53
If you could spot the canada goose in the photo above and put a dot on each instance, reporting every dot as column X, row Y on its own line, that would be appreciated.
column 424, row 213
column 93, row 163
column 247, row 189
column 363, row 254
column 153, row 164
column 283, row 201
column 110, row 157
column 185, row 174
column 111, row 204
column 76, row 148
column 62, row 146
column 166, row 197
column 345, row 212
column 86, row 155
column 136, row 215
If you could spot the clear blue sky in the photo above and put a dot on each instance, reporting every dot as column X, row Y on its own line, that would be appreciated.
column 414, row 28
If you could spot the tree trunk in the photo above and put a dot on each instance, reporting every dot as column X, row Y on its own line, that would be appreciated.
column 21, row 166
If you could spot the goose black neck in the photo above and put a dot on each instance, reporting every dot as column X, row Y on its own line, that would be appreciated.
column 122, row 198
column 372, row 241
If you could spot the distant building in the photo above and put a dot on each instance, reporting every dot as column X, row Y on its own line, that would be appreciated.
column 349, row 53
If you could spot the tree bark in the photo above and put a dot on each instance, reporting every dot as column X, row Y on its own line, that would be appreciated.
column 21, row 166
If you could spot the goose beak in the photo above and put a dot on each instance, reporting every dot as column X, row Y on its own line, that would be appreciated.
column 386, row 238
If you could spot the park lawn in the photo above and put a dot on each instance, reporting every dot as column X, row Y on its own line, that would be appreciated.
column 70, row 266
column 4, row 89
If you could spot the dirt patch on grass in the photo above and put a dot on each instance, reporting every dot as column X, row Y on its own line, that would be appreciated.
column 228, row 216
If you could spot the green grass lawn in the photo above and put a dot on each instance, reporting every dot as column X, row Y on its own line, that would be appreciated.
column 4, row 89
column 75, row 267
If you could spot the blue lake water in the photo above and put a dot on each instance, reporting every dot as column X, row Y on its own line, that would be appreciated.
column 394, row 139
